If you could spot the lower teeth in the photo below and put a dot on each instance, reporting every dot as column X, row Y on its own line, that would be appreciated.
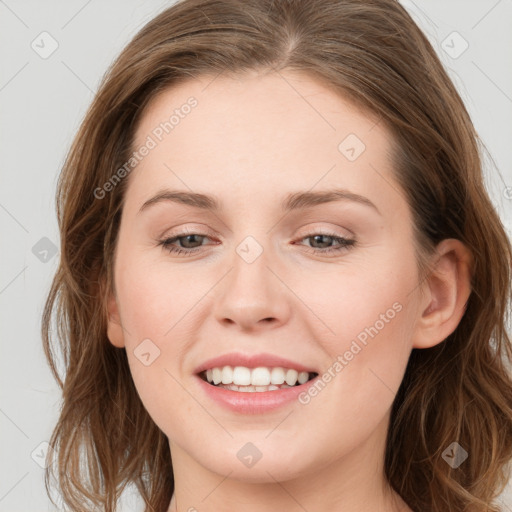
column 252, row 389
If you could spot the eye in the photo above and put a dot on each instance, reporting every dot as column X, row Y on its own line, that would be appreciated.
column 325, row 241
column 190, row 242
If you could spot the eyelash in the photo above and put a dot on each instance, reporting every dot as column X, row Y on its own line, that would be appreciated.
column 345, row 243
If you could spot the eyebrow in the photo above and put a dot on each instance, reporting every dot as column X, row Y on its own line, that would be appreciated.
column 293, row 201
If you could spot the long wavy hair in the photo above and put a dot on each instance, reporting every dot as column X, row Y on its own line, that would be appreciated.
column 374, row 54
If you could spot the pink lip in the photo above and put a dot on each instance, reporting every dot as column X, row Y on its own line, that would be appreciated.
column 253, row 403
column 251, row 361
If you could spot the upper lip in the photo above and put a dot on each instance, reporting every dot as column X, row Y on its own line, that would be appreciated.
column 251, row 361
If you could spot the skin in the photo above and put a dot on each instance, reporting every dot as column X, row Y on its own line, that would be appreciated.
column 250, row 141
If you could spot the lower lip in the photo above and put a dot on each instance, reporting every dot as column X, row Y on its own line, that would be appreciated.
column 257, row 402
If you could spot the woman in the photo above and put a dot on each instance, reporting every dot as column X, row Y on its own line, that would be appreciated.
column 283, row 285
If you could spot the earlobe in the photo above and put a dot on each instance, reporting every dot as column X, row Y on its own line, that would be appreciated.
column 446, row 291
column 114, row 329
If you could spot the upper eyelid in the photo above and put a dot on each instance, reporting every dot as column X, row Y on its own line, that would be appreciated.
column 310, row 230
column 186, row 232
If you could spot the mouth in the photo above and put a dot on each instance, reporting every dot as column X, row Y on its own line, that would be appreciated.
column 255, row 380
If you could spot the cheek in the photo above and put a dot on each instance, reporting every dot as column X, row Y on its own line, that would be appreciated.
column 153, row 300
column 155, row 297
column 371, row 310
column 365, row 300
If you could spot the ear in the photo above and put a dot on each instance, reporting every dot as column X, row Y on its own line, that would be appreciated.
column 114, row 329
column 446, row 291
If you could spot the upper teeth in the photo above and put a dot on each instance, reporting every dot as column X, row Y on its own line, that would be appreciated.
column 261, row 376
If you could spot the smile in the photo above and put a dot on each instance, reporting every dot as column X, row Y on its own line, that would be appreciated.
column 259, row 379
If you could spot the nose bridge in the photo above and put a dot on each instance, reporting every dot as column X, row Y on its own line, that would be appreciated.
column 251, row 294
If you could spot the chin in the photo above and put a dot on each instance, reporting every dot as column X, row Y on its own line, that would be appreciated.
column 266, row 464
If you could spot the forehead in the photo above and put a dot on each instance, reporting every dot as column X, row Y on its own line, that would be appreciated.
column 273, row 105
column 259, row 132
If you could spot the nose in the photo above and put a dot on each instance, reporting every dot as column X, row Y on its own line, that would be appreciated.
column 251, row 297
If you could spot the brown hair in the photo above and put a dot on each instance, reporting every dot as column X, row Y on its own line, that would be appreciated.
column 374, row 54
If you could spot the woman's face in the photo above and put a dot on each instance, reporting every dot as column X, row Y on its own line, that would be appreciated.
column 283, row 273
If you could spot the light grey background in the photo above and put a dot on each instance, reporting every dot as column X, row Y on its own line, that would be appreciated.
column 42, row 101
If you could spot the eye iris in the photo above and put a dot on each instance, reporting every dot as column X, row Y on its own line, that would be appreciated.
column 187, row 240
column 325, row 244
